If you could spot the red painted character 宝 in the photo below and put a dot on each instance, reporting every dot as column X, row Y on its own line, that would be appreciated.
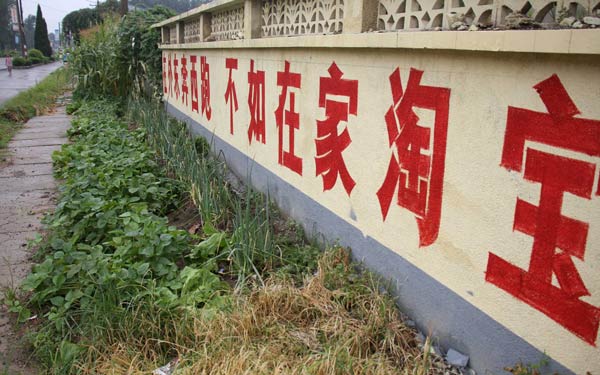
column 205, row 87
column 330, row 145
column 176, row 75
column 230, row 94
column 556, row 238
column 194, row 83
column 417, row 172
column 184, row 84
column 256, row 104
column 289, row 117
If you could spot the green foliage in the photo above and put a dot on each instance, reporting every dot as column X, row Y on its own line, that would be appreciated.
column 35, row 53
column 95, row 66
column 121, row 58
column 78, row 20
column 108, row 232
column 138, row 54
column 20, row 61
column 41, row 40
column 253, row 239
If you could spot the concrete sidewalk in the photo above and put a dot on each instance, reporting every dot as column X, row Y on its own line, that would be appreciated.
column 27, row 190
column 22, row 79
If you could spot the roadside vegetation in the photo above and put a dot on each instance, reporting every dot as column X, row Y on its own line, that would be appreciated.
column 157, row 254
column 36, row 101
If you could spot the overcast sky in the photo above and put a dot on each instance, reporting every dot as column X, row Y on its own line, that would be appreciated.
column 54, row 10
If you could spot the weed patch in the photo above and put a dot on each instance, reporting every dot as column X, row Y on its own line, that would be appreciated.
column 121, row 290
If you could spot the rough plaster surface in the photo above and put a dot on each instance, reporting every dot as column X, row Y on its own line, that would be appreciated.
column 27, row 191
column 479, row 193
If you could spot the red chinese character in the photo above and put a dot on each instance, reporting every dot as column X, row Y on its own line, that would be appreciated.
column 288, row 117
column 170, row 75
column 256, row 104
column 550, row 229
column 230, row 94
column 176, row 75
column 194, row 82
column 164, row 74
column 205, row 87
column 330, row 145
column 417, row 172
column 184, row 85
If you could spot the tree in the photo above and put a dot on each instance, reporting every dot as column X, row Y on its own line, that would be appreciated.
column 29, row 30
column 7, row 38
column 41, row 40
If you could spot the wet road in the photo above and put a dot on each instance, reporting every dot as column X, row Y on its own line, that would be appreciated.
column 23, row 79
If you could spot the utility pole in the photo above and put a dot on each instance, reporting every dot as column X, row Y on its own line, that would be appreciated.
column 21, row 27
column 124, row 7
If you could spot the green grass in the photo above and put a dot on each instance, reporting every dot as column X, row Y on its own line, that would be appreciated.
column 32, row 102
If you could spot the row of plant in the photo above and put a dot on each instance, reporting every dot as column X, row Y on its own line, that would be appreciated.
column 34, row 57
column 32, row 102
column 156, row 253
column 239, row 290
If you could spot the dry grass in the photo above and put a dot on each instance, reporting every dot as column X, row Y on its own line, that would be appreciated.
column 338, row 322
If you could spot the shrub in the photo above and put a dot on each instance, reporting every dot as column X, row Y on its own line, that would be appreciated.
column 20, row 61
column 35, row 60
column 35, row 53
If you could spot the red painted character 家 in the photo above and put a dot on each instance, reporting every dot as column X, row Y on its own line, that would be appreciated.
column 415, row 174
column 330, row 145
column 256, row 104
column 556, row 238
column 230, row 93
column 289, row 117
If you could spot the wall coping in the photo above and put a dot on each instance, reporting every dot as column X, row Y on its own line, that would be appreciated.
column 215, row 5
column 565, row 41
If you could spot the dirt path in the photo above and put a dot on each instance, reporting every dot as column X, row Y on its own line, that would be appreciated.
column 27, row 190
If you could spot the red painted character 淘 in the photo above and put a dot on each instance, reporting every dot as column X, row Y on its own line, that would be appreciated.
column 415, row 175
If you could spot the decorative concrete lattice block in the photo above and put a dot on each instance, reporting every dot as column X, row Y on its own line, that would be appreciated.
column 173, row 34
column 411, row 14
column 429, row 14
column 227, row 24
column 544, row 11
column 192, row 32
column 293, row 17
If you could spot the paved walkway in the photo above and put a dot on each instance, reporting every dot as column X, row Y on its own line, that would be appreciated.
column 27, row 190
column 22, row 79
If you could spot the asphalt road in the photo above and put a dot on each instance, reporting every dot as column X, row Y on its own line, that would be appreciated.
column 23, row 79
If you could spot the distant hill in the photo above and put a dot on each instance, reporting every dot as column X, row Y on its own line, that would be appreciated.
column 178, row 6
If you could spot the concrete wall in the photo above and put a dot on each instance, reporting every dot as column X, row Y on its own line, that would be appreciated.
column 469, row 178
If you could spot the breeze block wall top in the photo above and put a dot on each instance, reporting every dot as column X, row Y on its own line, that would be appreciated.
column 462, row 166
